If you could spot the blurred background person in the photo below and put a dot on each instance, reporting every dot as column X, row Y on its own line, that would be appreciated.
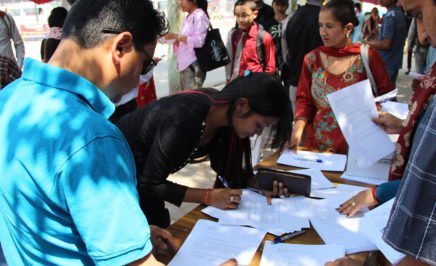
column 8, row 32
column 51, row 42
column 192, row 35
column 370, row 27
column 329, row 68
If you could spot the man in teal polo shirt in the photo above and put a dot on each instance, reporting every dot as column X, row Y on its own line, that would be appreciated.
column 67, row 187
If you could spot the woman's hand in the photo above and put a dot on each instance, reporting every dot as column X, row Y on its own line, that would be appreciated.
column 225, row 198
column 279, row 190
column 390, row 123
column 162, row 240
column 357, row 202
column 171, row 36
column 297, row 132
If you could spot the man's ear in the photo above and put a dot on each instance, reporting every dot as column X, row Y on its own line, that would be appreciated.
column 242, row 106
column 122, row 44
column 255, row 12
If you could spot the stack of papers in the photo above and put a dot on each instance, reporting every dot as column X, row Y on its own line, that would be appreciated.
column 283, row 216
column 313, row 160
column 373, row 225
column 210, row 243
column 376, row 174
column 335, row 228
column 300, row 255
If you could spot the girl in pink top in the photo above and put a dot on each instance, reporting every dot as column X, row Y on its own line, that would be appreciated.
column 192, row 35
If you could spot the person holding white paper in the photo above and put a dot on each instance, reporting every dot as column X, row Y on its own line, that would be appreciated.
column 327, row 69
column 411, row 227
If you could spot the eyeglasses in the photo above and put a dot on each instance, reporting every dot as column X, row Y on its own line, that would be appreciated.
column 243, row 15
column 148, row 65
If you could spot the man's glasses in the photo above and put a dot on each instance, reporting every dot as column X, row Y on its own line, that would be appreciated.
column 148, row 65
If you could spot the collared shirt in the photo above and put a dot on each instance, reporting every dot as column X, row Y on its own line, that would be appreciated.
column 8, row 31
column 67, row 189
column 411, row 228
column 394, row 27
column 9, row 71
column 249, row 59
column 194, row 27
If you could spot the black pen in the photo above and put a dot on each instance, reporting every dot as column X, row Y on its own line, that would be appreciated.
column 285, row 237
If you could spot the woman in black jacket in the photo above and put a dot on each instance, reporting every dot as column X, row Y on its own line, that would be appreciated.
column 166, row 134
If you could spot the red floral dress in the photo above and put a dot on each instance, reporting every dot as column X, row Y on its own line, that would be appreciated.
column 322, row 131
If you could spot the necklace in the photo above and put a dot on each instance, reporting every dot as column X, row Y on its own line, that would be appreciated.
column 348, row 75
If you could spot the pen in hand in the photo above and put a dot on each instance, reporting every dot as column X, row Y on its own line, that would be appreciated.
column 285, row 237
column 224, row 181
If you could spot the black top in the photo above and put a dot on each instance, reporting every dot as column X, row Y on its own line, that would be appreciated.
column 48, row 47
column 265, row 16
column 302, row 36
column 164, row 135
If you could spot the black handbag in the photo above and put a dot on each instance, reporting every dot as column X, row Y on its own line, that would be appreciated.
column 296, row 183
column 213, row 54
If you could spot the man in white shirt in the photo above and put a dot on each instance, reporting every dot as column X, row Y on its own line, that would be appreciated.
column 8, row 31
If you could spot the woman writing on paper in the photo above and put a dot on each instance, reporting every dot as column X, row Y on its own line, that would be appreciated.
column 166, row 134
column 192, row 35
column 335, row 65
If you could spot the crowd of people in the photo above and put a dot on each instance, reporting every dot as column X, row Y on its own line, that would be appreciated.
column 78, row 188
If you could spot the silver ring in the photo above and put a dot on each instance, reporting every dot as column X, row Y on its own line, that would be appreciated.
column 353, row 203
column 231, row 198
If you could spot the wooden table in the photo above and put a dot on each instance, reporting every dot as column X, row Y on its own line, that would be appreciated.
column 182, row 227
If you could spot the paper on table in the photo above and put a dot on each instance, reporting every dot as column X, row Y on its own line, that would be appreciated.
column 210, row 243
column 307, row 159
column 317, row 178
column 299, row 255
column 376, row 174
column 354, row 107
column 335, row 228
column 338, row 190
column 400, row 110
column 373, row 225
column 279, row 218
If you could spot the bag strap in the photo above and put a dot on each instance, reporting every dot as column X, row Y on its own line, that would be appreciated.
column 260, row 47
column 365, row 59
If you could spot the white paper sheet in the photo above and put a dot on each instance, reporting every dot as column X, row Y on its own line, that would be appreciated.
column 283, row 216
column 299, row 255
column 307, row 159
column 386, row 97
column 376, row 174
column 210, row 243
column 373, row 225
column 335, row 228
column 317, row 178
column 400, row 110
column 279, row 218
column 338, row 190
column 354, row 107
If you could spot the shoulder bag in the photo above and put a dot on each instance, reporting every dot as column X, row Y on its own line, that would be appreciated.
column 213, row 54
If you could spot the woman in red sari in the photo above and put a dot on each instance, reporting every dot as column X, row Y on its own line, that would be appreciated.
column 329, row 68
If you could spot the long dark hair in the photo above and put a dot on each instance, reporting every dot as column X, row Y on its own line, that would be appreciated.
column 203, row 5
column 231, row 156
column 266, row 96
